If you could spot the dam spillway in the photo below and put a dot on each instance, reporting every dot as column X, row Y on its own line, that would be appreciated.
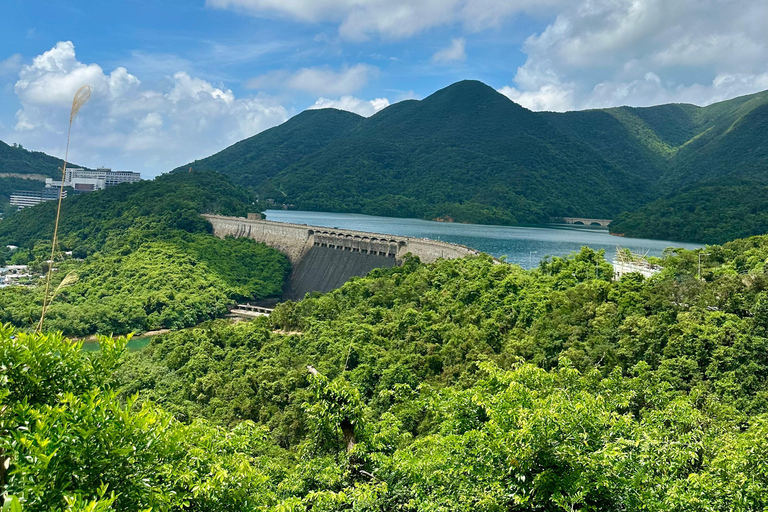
column 323, row 259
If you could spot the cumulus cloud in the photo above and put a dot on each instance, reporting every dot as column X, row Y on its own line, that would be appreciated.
column 551, row 97
column 454, row 53
column 352, row 104
column 644, row 52
column 360, row 19
column 149, row 130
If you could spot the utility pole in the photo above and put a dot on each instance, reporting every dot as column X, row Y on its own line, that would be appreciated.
column 700, row 255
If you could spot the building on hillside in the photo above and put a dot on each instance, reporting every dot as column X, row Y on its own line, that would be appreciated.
column 23, row 198
column 627, row 262
column 83, row 180
column 14, row 274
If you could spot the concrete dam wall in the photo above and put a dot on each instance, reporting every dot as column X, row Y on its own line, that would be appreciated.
column 325, row 258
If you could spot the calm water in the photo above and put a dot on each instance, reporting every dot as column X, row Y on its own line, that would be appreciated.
column 522, row 245
column 133, row 345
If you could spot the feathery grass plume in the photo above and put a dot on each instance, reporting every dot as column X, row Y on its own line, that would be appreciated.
column 68, row 280
column 82, row 96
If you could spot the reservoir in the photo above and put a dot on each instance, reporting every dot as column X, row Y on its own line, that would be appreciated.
column 523, row 245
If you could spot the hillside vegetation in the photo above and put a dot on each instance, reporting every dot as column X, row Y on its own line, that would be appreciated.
column 465, row 152
column 21, row 169
column 711, row 158
column 150, row 260
column 14, row 159
column 469, row 154
column 462, row 385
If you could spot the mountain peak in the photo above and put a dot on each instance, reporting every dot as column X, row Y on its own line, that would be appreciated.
column 467, row 89
column 469, row 95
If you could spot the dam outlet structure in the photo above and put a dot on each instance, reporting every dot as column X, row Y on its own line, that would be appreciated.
column 323, row 259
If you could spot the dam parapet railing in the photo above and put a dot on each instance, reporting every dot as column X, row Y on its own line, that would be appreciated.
column 295, row 240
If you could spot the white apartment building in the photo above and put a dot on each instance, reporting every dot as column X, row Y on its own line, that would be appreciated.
column 85, row 181
column 23, row 198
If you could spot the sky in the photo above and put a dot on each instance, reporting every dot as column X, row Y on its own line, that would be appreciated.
column 178, row 80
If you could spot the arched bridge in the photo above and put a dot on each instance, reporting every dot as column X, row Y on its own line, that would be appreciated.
column 325, row 258
column 583, row 221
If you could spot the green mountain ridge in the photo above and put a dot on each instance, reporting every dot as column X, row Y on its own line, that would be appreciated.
column 468, row 153
column 465, row 152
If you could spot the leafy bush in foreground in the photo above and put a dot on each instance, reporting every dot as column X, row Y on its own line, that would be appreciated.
column 462, row 385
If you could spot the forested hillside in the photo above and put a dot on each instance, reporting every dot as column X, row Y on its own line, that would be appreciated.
column 467, row 153
column 17, row 160
column 150, row 260
column 718, row 181
column 462, row 385
column 21, row 169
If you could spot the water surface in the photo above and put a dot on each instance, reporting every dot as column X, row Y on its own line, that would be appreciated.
column 524, row 245
column 134, row 344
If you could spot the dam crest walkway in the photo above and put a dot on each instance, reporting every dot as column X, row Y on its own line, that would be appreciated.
column 325, row 258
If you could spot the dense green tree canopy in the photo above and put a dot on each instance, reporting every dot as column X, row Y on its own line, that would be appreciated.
column 150, row 261
column 462, row 385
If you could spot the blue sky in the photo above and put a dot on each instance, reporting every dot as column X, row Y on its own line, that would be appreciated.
column 179, row 80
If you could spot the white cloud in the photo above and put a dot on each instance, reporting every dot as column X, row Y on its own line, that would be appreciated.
column 352, row 104
column 318, row 80
column 456, row 52
column 11, row 65
column 126, row 124
column 650, row 90
column 552, row 97
column 644, row 52
column 359, row 19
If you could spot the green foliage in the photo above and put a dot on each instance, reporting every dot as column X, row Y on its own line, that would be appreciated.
column 170, row 284
column 468, row 154
column 462, row 385
column 71, row 445
column 634, row 394
column 132, row 212
column 15, row 159
column 150, row 261
column 712, row 212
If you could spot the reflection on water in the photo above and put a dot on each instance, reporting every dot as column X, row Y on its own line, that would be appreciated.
column 522, row 245
column 133, row 345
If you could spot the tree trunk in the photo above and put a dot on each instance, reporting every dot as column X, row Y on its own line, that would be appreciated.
column 349, row 434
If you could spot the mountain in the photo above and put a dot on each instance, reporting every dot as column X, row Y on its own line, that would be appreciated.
column 466, row 152
column 469, row 154
column 715, row 187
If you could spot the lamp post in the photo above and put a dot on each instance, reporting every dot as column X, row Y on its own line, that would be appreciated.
column 700, row 255
column 530, row 258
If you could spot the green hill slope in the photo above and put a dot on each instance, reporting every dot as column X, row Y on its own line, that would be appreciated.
column 17, row 160
column 465, row 152
column 148, row 258
column 21, row 169
column 469, row 154
column 716, row 186
column 253, row 160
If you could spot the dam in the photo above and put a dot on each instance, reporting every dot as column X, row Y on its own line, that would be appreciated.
column 323, row 259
